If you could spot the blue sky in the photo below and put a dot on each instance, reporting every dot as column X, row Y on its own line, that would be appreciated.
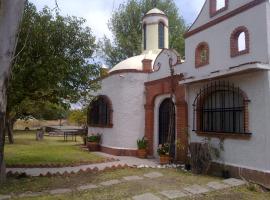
column 98, row 12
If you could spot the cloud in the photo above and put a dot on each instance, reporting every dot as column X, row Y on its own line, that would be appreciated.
column 98, row 12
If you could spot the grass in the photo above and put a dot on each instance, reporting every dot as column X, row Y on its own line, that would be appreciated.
column 173, row 179
column 52, row 150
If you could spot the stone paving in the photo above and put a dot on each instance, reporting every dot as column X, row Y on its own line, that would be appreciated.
column 173, row 194
column 146, row 196
column 121, row 161
column 168, row 194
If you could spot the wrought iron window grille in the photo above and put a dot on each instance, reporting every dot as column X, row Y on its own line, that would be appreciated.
column 221, row 107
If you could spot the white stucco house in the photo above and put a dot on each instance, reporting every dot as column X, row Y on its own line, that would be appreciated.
column 220, row 91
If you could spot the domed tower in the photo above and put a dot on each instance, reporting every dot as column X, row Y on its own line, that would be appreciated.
column 155, row 30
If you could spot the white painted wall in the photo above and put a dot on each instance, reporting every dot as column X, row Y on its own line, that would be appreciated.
column 218, row 38
column 204, row 15
column 253, row 153
column 126, row 91
column 268, row 27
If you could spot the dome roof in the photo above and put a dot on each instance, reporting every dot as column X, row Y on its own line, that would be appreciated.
column 155, row 11
column 135, row 63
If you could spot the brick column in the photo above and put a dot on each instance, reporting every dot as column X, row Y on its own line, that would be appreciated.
column 182, row 131
column 149, row 128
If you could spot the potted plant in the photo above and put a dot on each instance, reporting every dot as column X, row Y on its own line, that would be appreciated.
column 142, row 146
column 93, row 142
column 163, row 152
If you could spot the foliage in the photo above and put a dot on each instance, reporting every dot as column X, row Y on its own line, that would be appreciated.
column 53, row 66
column 142, row 143
column 51, row 150
column 163, row 149
column 78, row 117
column 94, row 138
column 202, row 155
column 125, row 24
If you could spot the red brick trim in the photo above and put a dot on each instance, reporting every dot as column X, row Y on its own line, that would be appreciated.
column 168, row 78
column 119, row 152
column 225, row 17
column 234, row 41
column 161, row 87
column 203, row 46
column 213, row 7
column 126, row 71
column 109, row 103
column 251, row 175
column 223, row 136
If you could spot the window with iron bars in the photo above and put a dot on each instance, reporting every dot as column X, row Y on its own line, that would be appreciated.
column 220, row 107
column 99, row 112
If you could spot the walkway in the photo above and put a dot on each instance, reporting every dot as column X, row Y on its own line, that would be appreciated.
column 121, row 162
column 188, row 191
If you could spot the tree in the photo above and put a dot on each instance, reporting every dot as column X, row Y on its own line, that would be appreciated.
column 78, row 117
column 54, row 65
column 125, row 24
column 11, row 12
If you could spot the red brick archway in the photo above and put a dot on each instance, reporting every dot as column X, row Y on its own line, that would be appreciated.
column 161, row 87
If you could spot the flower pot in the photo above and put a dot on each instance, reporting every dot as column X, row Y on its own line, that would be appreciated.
column 142, row 153
column 164, row 159
column 93, row 146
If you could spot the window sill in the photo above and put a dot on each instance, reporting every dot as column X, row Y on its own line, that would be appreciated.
column 239, row 53
column 100, row 126
column 240, row 136
column 198, row 65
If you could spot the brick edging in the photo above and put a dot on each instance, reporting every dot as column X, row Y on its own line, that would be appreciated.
column 119, row 152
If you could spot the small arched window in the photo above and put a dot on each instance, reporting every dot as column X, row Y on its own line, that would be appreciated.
column 202, row 55
column 161, row 35
column 144, row 36
column 239, row 41
column 100, row 112
column 221, row 108
column 218, row 6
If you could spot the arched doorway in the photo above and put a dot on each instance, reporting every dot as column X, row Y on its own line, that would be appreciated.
column 167, row 124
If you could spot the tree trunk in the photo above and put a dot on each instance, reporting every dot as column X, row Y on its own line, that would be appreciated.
column 9, row 130
column 10, row 16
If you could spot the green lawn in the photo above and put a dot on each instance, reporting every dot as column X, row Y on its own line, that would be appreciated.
column 52, row 150
column 173, row 179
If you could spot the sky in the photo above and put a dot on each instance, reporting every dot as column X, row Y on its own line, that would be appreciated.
column 98, row 12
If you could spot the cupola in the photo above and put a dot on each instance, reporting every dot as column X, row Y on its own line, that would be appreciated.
column 155, row 30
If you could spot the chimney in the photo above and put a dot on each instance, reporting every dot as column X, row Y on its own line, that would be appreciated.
column 147, row 65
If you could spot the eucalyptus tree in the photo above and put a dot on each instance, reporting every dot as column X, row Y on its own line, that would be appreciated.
column 11, row 12
column 53, row 67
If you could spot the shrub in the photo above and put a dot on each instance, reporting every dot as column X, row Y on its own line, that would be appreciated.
column 94, row 138
column 142, row 144
column 163, row 149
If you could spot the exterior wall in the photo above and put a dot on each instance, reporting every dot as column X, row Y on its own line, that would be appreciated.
column 252, row 153
column 268, row 27
column 205, row 17
column 126, row 94
column 218, row 39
